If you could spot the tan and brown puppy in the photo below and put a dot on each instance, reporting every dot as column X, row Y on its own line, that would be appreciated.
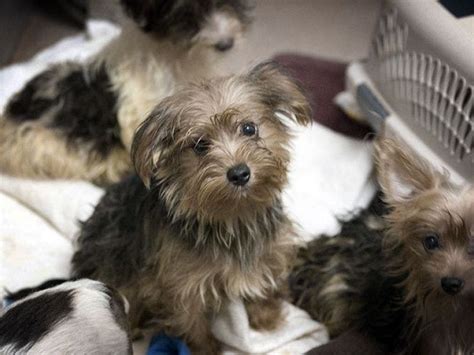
column 407, row 282
column 203, row 223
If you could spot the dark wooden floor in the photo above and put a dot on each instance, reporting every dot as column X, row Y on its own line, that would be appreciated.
column 27, row 26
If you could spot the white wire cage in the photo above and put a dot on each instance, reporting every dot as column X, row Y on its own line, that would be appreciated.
column 418, row 82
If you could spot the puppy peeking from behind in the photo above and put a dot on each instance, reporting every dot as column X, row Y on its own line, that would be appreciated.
column 407, row 283
column 77, row 120
column 205, row 224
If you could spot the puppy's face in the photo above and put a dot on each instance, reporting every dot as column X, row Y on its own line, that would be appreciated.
column 220, row 148
column 434, row 222
column 214, row 24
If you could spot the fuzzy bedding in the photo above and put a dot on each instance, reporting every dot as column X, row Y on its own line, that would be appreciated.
column 330, row 176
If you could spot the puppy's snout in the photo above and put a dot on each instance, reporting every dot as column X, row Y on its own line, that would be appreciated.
column 452, row 285
column 239, row 175
column 224, row 45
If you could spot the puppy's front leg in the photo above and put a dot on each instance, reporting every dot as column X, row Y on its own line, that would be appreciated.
column 190, row 319
column 202, row 341
column 265, row 313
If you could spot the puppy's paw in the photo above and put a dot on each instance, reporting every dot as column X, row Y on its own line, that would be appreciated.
column 210, row 347
column 265, row 314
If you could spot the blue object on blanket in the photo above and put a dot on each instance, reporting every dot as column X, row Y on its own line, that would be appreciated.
column 162, row 344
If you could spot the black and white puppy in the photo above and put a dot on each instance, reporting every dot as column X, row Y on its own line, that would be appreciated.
column 77, row 120
column 77, row 317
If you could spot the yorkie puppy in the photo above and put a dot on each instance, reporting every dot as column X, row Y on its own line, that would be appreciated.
column 77, row 120
column 408, row 282
column 205, row 223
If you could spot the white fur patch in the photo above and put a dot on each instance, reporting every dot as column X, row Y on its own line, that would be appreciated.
column 89, row 329
column 220, row 26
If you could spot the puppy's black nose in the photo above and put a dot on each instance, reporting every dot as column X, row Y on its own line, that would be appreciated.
column 452, row 285
column 224, row 45
column 239, row 175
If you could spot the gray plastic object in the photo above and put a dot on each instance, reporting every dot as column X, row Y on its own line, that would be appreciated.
column 418, row 80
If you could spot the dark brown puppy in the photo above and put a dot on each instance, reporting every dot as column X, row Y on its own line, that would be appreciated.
column 410, row 284
column 210, row 227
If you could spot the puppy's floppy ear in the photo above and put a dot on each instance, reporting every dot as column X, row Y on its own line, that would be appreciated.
column 403, row 175
column 282, row 92
column 152, row 140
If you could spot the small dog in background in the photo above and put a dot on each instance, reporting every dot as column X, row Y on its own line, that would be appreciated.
column 210, row 227
column 77, row 120
column 408, row 285
column 58, row 317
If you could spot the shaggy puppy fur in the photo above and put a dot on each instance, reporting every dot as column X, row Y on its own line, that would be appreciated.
column 410, row 285
column 205, row 223
column 333, row 273
column 58, row 317
column 77, row 120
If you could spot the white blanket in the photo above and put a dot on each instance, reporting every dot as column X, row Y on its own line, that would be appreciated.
column 329, row 177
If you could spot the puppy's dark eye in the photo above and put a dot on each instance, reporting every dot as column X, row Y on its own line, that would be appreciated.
column 249, row 129
column 201, row 147
column 431, row 242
